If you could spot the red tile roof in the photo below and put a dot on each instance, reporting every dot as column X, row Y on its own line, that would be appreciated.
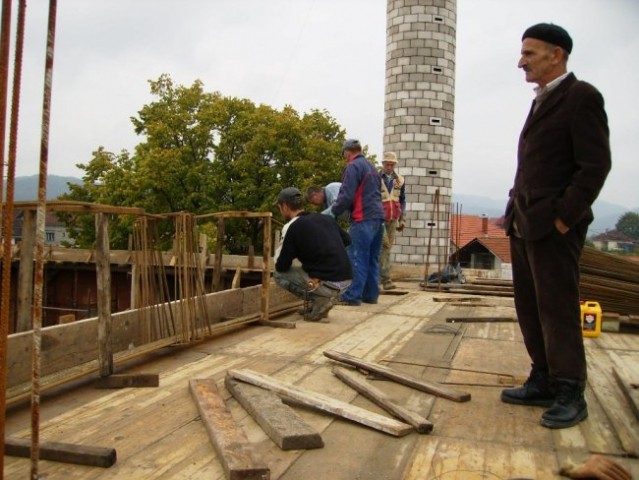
column 487, row 231
column 465, row 228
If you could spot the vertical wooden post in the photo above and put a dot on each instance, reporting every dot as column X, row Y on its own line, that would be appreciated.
column 219, row 248
column 103, row 273
column 266, row 267
column 25, row 272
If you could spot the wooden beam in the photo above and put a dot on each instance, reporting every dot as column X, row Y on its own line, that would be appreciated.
column 479, row 319
column 266, row 268
column 399, row 377
column 352, row 379
column 236, row 214
column 103, row 274
column 324, row 403
column 63, row 452
column 280, row 422
column 82, row 207
column 231, row 445
column 276, row 324
column 25, row 272
column 219, row 251
column 140, row 380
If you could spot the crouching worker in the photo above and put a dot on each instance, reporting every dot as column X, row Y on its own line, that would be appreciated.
column 318, row 243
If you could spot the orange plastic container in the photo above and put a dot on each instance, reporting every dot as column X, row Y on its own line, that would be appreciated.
column 590, row 318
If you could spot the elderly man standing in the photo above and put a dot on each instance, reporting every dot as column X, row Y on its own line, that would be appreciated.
column 563, row 161
column 361, row 195
column 394, row 204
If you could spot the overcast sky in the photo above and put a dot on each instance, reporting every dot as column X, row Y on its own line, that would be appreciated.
column 325, row 54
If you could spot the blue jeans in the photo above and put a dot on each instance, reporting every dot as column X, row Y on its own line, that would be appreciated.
column 364, row 251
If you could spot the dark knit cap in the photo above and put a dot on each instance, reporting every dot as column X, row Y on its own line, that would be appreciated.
column 550, row 33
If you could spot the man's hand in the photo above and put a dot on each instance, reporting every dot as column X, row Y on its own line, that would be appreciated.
column 597, row 467
column 400, row 226
column 561, row 226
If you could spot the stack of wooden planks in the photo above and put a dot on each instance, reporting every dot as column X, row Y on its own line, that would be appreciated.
column 610, row 280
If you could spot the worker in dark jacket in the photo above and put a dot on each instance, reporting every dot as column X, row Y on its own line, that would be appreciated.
column 320, row 246
column 360, row 194
column 563, row 160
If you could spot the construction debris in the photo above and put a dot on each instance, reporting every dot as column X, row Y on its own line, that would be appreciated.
column 421, row 424
column 63, row 452
column 280, row 422
column 399, row 377
column 233, row 448
column 324, row 403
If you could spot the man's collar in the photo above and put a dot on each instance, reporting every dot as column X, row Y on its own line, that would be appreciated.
column 550, row 85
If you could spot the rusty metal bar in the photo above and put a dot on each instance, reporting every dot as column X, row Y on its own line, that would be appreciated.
column 5, row 34
column 39, row 256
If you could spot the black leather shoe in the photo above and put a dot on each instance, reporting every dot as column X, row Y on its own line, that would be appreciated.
column 535, row 391
column 570, row 406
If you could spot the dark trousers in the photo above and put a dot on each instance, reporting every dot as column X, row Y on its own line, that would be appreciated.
column 546, row 284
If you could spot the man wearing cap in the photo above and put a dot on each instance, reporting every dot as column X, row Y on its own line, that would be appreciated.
column 320, row 245
column 563, row 160
column 360, row 195
column 394, row 205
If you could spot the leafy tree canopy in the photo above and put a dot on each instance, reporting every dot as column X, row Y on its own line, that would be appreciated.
column 203, row 152
column 628, row 224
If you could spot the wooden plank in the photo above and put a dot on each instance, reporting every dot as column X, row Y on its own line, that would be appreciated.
column 421, row 424
column 129, row 381
column 285, row 427
column 103, row 274
column 71, row 345
column 613, row 401
column 324, row 403
column 266, row 271
column 219, row 252
column 629, row 389
column 63, row 452
column 479, row 319
column 230, row 442
column 405, row 379
column 25, row 273
column 276, row 323
column 456, row 299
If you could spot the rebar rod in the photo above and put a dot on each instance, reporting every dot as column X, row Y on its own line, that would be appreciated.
column 5, row 34
column 39, row 244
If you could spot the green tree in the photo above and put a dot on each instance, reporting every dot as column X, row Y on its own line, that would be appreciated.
column 628, row 224
column 203, row 152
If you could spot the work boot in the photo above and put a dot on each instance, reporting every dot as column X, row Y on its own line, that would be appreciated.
column 321, row 307
column 570, row 405
column 389, row 285
column 535, row 391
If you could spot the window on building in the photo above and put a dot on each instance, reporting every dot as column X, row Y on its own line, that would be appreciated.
column 50, row 236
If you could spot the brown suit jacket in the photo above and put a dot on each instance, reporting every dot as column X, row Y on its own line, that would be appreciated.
column 563, row 161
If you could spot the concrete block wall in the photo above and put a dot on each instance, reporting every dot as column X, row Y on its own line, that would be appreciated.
column 418, row 122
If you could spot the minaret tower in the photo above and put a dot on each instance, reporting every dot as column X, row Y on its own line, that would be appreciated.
column 418, row 122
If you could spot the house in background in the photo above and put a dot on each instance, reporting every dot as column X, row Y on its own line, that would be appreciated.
column 55, row 231
column 480, row 243
column 613, row 241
